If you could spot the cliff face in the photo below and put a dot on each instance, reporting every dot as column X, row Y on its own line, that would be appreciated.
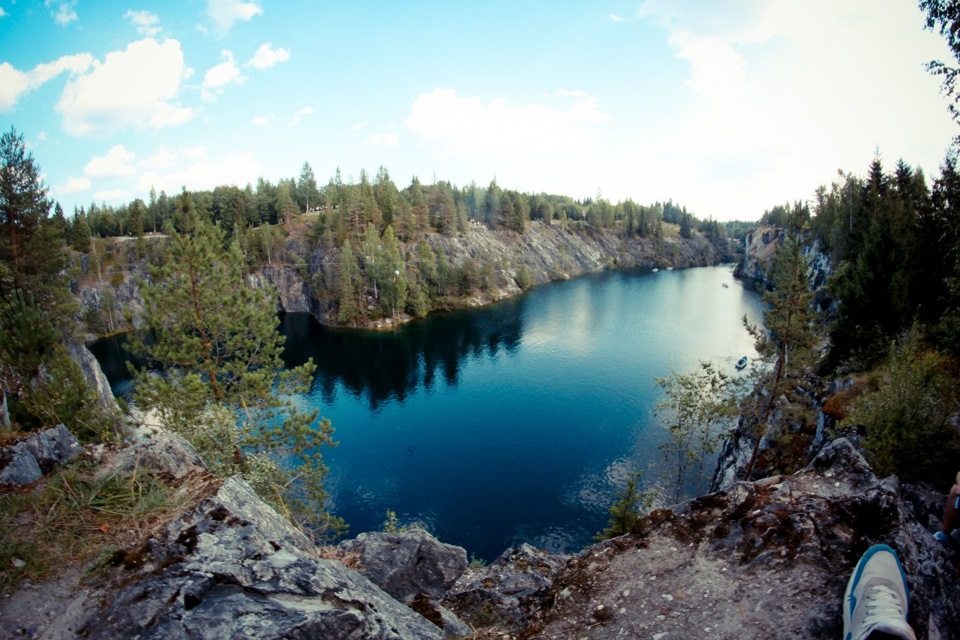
column 760, row 246
column 305, row 278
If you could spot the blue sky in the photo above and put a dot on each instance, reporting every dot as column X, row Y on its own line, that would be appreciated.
column 726, row 107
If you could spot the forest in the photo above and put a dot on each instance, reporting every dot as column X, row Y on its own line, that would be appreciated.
column 359, row 241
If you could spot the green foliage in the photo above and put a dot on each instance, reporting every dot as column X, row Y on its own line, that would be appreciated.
column 476, row 563
column 626, row 510
column 347, row 288
column 907, row 418
column 31, row 244
column 523, row 278
column 943, row 16
column 696, row 406
column 221, row 382
column 390, row 524
column 787, row 342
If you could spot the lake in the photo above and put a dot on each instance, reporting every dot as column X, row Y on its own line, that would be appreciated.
column 517, row 422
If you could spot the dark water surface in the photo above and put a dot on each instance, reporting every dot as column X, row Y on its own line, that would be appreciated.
column 513, row 423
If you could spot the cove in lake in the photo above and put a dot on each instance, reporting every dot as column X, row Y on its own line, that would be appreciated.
column 516, row 422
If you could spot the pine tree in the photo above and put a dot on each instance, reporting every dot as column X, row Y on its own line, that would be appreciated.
column 219, row 377
column 791, row 329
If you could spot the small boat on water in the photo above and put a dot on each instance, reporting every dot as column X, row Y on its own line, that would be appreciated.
column 725, row 285
column 655, row 269
column 742, row 363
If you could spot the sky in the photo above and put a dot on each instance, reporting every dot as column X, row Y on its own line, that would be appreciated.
column 726, row 107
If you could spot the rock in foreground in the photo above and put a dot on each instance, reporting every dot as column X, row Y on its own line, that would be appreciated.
column 761, row 560
column 233, row 568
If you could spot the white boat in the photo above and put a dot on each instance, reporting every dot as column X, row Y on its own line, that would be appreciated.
column 742, row 363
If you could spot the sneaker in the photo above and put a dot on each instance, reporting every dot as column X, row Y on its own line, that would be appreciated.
column 876, row 597
column 940, row 536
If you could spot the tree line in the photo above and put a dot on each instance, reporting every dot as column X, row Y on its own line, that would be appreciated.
column 346, row 208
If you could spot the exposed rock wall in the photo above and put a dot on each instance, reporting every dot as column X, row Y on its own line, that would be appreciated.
column 760, row 246
column 547, row 252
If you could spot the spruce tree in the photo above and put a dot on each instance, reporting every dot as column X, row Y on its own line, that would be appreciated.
column 32, row 258
column 40, row 385
column 218, row 379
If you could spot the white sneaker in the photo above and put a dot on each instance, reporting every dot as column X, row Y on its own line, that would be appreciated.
column 876, row 597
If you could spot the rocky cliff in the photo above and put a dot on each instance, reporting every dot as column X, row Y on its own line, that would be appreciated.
column 758, row 560
column 759, row 248
column 304, row 277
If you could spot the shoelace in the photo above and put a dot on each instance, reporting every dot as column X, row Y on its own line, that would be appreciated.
column 882, row 604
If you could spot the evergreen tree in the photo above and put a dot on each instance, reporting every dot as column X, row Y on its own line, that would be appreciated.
column 220, row 381
column 791, row 330
column 32, row 259
column 348, row 284
column 394, row 296
column 625, row 510
column 307, row 191
column 40, row 385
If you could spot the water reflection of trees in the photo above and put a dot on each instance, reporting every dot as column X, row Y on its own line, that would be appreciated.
column 391, row 365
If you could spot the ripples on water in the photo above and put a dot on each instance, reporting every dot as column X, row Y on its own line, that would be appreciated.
column 514, row 423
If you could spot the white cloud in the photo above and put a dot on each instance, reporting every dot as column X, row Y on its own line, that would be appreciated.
column 171, row 169
column 219, row 77
column 263, row 121
column 461, row 125
column 73, row 185
column 615, row 18
column 133, row 88
column 14, row 83
column 266, row 56
column 782, row 94
column 146, row 22
column 299, row 115
column 111, row 195
column 360, row 126
column 3, row 13
column 117, row 163
column 64, row 13
column 386, row 140
column 224, row 13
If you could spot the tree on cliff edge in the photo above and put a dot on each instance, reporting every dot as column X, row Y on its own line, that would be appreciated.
column 216, row 375
column 789, row 341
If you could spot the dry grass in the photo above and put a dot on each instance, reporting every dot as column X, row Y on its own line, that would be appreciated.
column 76, row 517
column 349, row 559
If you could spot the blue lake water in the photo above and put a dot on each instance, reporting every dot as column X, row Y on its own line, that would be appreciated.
column 516, row 422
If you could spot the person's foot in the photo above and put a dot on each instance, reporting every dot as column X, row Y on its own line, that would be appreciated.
column 876, row 597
